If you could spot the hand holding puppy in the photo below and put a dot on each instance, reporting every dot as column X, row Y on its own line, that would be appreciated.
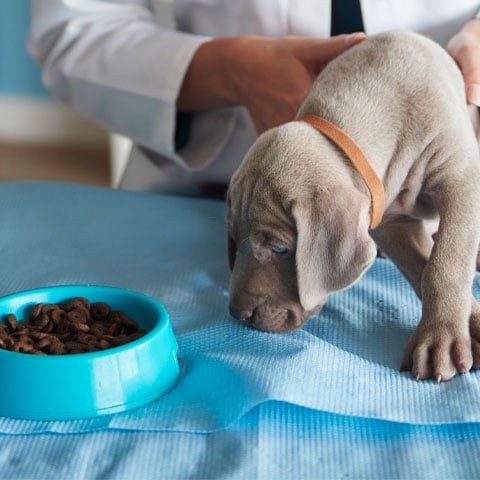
column 464, row 47
column 269, row 76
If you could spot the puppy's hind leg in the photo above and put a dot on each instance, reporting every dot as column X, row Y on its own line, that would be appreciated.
column 408, row 243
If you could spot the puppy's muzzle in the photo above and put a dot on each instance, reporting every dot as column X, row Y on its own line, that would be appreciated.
column 267, row 317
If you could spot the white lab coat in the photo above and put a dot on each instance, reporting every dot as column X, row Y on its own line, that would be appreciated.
column 113, row 62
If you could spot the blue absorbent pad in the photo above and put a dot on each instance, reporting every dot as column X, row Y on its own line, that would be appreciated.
column 344, row 361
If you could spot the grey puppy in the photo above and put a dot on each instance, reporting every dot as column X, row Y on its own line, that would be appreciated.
column 299, row 213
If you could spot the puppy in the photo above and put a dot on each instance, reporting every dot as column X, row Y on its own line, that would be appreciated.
column 305, row 221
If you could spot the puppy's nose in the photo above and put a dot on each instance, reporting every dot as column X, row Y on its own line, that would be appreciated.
column 239, row 313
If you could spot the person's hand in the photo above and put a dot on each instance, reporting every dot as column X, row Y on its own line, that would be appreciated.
column 276, row 74
column 270, row 77
column 464, row 47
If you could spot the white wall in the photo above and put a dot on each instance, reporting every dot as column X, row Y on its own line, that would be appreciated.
column 27, row 113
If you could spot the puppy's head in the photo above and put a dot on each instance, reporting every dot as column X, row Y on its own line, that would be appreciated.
column 295, row 232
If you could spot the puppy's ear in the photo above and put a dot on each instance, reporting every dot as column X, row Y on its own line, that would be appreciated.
column 231, row 243
column 232, row 251
column 333, row 245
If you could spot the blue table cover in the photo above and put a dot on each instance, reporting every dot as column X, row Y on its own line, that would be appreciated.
column 325, row 401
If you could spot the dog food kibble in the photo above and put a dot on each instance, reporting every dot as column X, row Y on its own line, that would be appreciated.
column 75, row 326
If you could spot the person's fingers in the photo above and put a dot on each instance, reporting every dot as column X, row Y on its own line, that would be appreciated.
column 318, row 52
column 465, row 50
column 354, row 38
column 473, row 94
column 273, row 98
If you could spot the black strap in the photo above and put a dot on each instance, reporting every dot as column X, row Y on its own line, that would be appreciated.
column 182, row 133
column 346, row 17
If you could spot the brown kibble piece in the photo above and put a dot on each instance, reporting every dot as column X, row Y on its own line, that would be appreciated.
column 3, row 329
column 80, row 326
column 41, row 321
column 11, row 321
column 98, row 329
column 9, row 342
column 36, row 311
column 100, row 311
column 120, row 340
column 57, row 349
column 38, row 335
column 104, row 344
column 77, row 302
column 78, row 315
column 86, row 338
column 49, row 307
column 127, row 321
column 58, row 316
column 114, row 328
column 26, row 339
column 44, row 343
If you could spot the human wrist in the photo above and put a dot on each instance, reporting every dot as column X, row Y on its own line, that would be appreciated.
column 214, row 77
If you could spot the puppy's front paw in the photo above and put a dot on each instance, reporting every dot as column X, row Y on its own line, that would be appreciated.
column 437, row 352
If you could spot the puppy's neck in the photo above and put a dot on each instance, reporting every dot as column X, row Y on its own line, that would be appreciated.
column 321, row 156
column 358, row 160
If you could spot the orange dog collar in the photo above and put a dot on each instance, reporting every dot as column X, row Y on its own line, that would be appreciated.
column 358, row 159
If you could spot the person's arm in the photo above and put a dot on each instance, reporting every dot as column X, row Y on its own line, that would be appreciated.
column 113, row 64
column 464, row 47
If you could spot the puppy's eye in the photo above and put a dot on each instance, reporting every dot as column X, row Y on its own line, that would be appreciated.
column 280, row 250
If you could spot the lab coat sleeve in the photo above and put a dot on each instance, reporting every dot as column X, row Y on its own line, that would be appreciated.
column 114, row 64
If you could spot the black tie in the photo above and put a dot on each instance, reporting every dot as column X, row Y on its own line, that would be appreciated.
column 346, row 17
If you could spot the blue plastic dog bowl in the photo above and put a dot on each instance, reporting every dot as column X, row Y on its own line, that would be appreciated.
column 83, row 385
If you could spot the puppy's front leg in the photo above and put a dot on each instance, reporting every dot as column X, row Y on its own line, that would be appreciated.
column 438, row 348
column 441, row 345
column 410, row 254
